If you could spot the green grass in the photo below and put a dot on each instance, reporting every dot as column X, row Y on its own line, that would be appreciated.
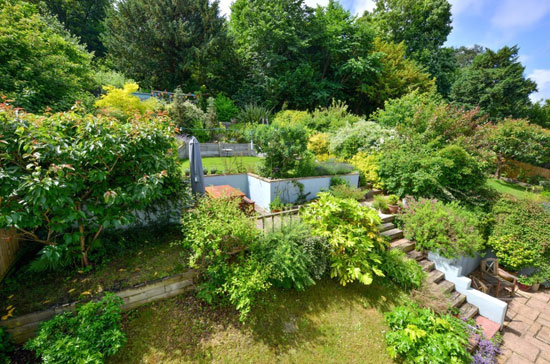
column 135, row 257
column 327, row 323
column 226, row 164
column 512, row 189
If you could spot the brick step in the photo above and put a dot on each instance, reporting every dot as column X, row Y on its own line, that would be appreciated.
column 467, row 311
column 386, row 226
column 393, row 234
column 416, row 255
column 457, row 299
column 435, row 276
column 446, row 286
column 427, row 265
column 404, row 244
column 386, row 217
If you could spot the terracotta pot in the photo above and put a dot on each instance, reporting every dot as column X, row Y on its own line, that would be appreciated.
column 393, row 209
column 524, row 287
column 535, row 287
column 275, row 210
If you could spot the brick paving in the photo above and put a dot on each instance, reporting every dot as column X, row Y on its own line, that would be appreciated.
column 526, row 333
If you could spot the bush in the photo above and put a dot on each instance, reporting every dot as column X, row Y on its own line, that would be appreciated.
column 188, row 117
column 345, row 191
column 318, row 144
column 404, row 272
column 253, row 114
column 292, row 118
column 331, row 167
column 225, row 108
column 121, row 104
column 419, row 336
column 66, row 177
column 520, row 235
column 449, row 230
column 89, row 336
column 6, row 346
column 363, row 136
column 352, row 232
column 368, row 167
column 332, row 118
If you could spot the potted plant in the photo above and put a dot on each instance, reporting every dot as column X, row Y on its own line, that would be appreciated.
column 393, row 206
column 276, row 205
column 205, row 171
column 525, row 283
column 381, row 203
column 213, row 171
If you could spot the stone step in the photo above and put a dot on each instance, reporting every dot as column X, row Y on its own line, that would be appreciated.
column 386, row 226
column 386, row 217
column 446, row 286
column 435, row 276
column 427, row 265
column 404, row 244
column 457, row 299
column 467, row 311
column 416, row 255
column 393, row 234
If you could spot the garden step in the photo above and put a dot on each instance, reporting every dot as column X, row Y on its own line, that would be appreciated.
column 457, row 299
column 404, row 244
column 435, row 276
column 386, row 217
column 393, row 234
column 427, row 265
column 416, row 255
column 386, row 226
column 446, row 286
column 467, row 311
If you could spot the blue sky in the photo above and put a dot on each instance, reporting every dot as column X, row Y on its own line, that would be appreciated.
column 493, row 24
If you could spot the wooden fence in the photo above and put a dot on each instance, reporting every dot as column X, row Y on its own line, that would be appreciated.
column 275, row 220
column 9, row 246
column 521, row 171
column 219, row 150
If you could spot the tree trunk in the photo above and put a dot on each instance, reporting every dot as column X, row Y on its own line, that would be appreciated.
column 499, row 166
column 83, row 250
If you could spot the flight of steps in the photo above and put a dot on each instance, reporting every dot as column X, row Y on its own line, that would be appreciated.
column 397, row 241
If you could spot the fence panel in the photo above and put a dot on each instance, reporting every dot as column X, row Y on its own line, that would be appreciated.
column 219, row 150
column 9, row 246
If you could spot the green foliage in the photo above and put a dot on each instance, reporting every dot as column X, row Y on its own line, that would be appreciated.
column 121, row 104
column 253, row 114
column 189, row 118
column 403, row 112
column 419, row 336
column 465, row 55
column 345, row 191
column 285, row 149
column 352, row 232
column 404, row 272
column 89, row 336
column 225, row 108
column 520, row 235
column 495, row 82
column 292, row 118
column 332, row 118
column 278, row 205
column 67, row 177
column 107, row 77
column 539, row 113
column 41, row 64
column 338, row 181
column 6, row 346
column 363, row 136
column 380, row 203
column 449, row 230
column 368, row 167
column 318, row 144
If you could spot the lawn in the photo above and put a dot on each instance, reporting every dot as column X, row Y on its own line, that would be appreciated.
column 515, row 190
column 135, row 257
column 327, row 323
column 226, row 164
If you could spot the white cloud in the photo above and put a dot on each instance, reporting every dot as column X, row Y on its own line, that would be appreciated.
column 472, row 6
column 314, row 3
column 360, row 6
column 542, row 78
column 520, row 13
column 225, row 7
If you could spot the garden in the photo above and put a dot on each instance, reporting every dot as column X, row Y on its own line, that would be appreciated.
column 373, row 163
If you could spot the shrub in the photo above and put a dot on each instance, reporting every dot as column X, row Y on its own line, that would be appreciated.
column 352, row 232
column 338, row 181
column 331, row 167
column 332, row 118
column 89, row 336
column 6, row 346
column 419, row 336
column 67, row 177
column 404, row 272
column 225, row 108
column 368, row 167
column 520, row 235
column 345, row 191
column 363, row 136
column 121, row 104
column 188, row 117
column 318, row 144
column 253, row 114
column 292, row 118
column 380, row 203
column 449, row 230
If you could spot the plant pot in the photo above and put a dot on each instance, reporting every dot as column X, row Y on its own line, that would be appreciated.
column 393, row 209
column 524, row 287
column 275, row 210
column 535, row 287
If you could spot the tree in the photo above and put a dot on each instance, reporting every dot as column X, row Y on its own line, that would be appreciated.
column 64, row 178
column 539, row 113
column 424, row 26
column 169, row 43
column 41, row 64
column 465, row 55
column 495, row 82
column 82, row 18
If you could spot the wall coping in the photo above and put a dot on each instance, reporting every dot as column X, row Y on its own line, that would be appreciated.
column 265, row 179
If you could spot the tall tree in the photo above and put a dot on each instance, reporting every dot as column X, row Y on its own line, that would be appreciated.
column 82, row 18
column 465, row 55
column 41, row 64
column 539, row 113
column 169, row 43
column 495, row 82
column 423, row 25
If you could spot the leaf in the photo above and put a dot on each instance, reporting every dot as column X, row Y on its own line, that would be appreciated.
column 71, row 290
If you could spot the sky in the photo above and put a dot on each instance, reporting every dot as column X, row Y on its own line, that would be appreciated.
column 493, row 24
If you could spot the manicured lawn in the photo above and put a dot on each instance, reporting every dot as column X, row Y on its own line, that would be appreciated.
column 327, row 323
column 226, row 164
column 513, row 189
column 136, row 257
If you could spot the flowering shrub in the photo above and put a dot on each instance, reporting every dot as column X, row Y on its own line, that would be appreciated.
column 363, row 136
column 487, row 352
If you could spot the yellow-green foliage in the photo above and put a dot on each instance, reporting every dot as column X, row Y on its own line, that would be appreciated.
column 318, row 144
column 292, row 118
column 368, row 168
column 120, row 103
